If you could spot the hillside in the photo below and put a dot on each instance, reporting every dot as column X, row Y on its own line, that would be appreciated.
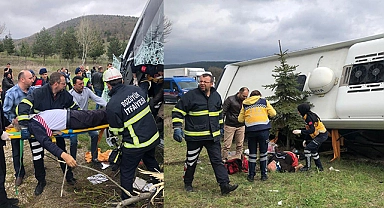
column 109, row 25
column 201, row 64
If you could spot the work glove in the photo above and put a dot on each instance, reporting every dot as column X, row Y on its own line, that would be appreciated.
column 296, row 131
column 222, row 132
column 25, row 133
column 304, row 143
column 5, row 136
column 178, row 134
column 135, row 82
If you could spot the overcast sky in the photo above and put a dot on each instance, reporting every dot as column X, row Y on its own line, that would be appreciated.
column 218, row 30
column 23, row 18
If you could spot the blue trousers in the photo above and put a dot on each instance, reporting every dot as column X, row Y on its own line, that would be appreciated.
column 94, row 138
column 98, row 92
column 256, row 138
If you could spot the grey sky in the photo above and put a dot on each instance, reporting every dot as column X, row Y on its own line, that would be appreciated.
column 23, row 18
column 218, row 30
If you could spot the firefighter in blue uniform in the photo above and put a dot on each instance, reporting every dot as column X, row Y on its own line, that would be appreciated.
column 201, row 109
column 129, row 115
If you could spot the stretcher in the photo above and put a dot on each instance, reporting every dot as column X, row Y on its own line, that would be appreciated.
column 64, row 133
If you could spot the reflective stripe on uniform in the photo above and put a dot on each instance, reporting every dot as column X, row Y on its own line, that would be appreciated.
column 197, row 133
column 22, row 117
column 180, row 111
column 73, row 105
column 198, row 113
column 175, row 120
column 216, row 113
column 216, row 133
column 144, row 144
column 131, row 121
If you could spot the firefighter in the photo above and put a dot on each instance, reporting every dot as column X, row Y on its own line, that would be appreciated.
column 129, row 115
column 202, row 112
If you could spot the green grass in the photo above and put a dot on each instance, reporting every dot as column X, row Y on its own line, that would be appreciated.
column 357, row 184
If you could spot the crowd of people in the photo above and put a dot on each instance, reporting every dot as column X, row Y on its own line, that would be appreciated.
column 202, row 119
column 40, row 106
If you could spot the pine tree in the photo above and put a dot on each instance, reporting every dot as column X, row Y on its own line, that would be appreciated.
column 25, row 50
column 43, row 44
column 286, row 98
column 115, row 47
column 9, row 46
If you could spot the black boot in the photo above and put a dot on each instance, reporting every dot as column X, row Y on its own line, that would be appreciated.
column 318, row 165
column 226, row 188
column 307, row 164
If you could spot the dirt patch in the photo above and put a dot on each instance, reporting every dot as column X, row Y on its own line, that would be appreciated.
column 82, row 194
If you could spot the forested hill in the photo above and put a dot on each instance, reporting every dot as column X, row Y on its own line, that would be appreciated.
column 201, row 64
column 118, row 26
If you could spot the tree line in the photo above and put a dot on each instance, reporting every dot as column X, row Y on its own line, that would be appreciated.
column 83, row 42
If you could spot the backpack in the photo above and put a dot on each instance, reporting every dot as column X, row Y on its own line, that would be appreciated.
column 233, row 166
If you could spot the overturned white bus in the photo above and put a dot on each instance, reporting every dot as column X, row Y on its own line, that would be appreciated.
column 347, row 82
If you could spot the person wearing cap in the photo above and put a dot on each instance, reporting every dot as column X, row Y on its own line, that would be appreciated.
column 47, row 97
column 33, row 76
column 43, row 78
column 129, row 115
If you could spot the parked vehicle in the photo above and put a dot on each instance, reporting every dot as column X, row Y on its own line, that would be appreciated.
column 176, row 87
column 347, row 82
column 194, row 73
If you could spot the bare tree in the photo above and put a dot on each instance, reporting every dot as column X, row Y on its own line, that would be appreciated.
column 86, row 35
column 167, row 27
column 2, row 28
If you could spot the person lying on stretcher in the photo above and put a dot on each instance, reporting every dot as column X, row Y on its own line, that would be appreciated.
column 42, row 125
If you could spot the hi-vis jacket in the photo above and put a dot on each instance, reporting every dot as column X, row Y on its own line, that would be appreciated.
column 313, row 126
column 129, row 115
column 203, row 115
column 255, row 112
column 42, row 99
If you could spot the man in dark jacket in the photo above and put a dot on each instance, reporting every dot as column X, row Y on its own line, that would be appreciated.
column 47, row 97
column 232, row 127
column 129, row 115
column 98, row 83
column 4, row 200
column 202, row 112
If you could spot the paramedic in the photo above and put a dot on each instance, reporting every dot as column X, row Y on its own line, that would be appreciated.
column 315, row 131
column 255, row 114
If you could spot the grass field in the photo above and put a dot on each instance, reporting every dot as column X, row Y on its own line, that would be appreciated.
column 357, row 184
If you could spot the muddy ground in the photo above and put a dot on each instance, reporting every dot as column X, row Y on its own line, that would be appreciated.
column 83, row 194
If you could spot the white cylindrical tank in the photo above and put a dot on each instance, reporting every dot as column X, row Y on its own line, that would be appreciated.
column 322, row 80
